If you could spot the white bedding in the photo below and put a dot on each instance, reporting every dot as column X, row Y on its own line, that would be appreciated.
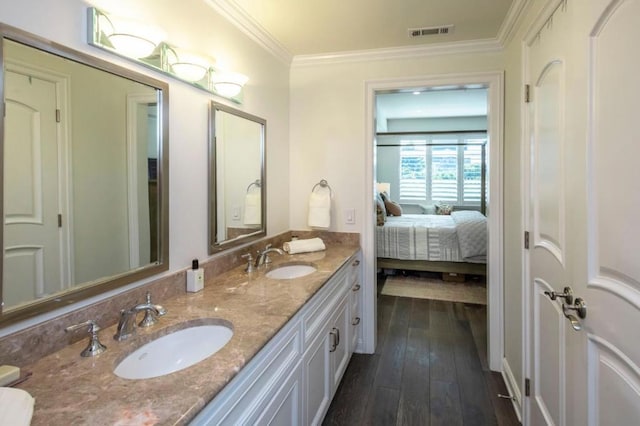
column 433, row 237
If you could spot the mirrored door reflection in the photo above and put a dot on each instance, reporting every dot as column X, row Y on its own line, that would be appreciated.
column 81, row 149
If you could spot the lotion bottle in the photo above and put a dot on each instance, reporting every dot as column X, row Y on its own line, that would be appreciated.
column 195, row 277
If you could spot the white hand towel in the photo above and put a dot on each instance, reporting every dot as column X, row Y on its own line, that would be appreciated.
column 304, row 246
column 320, row 209
column 252, row 208
column 16, row 407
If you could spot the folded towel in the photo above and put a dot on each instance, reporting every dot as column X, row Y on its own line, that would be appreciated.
column 320, row 209
column 252, row 208
column 304, row 246
column 16, row 407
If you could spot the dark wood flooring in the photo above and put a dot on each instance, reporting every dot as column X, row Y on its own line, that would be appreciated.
column 430, row 368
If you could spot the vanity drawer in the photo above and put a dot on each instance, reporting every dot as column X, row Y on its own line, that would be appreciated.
column 317, row 315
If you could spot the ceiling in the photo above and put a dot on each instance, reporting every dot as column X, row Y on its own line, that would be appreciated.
column 320, row 27
column 434, row 102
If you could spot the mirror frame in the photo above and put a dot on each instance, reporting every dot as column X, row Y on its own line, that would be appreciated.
column 214, row 246
column 105, row 284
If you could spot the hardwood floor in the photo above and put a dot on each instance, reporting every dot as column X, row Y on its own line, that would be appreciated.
column 430, row 368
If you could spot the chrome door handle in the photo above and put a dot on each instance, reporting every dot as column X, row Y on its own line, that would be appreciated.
column 580, row 307
column 335, row 339
column 567, row 295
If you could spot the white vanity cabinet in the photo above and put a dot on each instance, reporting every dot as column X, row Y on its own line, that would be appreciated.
column 291, row 381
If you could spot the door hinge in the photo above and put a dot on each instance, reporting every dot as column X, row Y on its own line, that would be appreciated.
column 526, row 239
column 527, row 93
column 527, row 387
column 57, row 115
column 59, row 221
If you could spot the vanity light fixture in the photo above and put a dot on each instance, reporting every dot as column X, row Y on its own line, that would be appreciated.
column 132, row 45
column 189, row 66
column 129, row 38
column 227, row 83
column 147, row 46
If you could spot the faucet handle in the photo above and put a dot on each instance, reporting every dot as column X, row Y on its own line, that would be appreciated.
column 250, row 267
column 151, row 317
column 95, row 347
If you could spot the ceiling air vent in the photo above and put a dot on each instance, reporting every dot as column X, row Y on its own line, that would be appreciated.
column 427, row 31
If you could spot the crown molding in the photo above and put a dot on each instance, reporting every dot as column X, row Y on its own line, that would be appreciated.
column 436, row 49
column 512, row 20
column 250, row 27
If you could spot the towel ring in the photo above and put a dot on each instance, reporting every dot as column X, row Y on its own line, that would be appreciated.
column 322, row 184
column 256, row 183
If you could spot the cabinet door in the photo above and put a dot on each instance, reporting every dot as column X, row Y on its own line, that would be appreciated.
column 339, row 338
column 284, row 408
column 317, row 379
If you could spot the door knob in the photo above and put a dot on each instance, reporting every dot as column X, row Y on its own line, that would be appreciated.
column 567, row 295
column 580, row 307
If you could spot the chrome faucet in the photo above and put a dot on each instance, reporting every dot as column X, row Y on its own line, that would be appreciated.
column 127, row 323
column 95, row 347
column 263, row 256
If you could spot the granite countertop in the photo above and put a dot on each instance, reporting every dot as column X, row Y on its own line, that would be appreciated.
column 69, row 389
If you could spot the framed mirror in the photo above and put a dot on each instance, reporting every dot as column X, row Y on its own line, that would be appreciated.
column 85, row 176
column 237, row 186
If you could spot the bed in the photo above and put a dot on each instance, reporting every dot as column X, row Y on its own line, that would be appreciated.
column 455, row 243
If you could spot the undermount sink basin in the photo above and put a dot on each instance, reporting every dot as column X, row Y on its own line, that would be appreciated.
column 175, row 351
column 289, row 272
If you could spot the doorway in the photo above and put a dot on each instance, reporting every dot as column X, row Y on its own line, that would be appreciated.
column 494, row 84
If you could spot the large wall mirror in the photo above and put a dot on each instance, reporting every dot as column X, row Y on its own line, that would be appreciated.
column 85, row 176
column 237, row 187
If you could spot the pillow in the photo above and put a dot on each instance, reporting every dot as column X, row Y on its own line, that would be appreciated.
column 443, row 209
column 393, row 208
column 428, row 208
column 381, row 211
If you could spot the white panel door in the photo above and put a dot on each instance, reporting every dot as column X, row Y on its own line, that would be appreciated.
column 582, row 64
column 32, row 254
column 547, row 58
column 612, row 286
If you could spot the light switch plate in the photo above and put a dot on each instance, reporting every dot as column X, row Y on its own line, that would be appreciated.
column 350, row 216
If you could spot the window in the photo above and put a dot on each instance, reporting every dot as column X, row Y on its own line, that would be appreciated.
column 442, row 169
column 413, row 173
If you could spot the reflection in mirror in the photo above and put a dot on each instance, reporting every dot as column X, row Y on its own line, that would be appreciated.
column 83, row 195
column 237, row 189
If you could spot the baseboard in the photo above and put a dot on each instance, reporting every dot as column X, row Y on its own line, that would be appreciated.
column 512, row 388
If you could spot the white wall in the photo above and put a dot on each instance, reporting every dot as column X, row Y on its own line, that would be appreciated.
column 266, row 95
column 328, row 125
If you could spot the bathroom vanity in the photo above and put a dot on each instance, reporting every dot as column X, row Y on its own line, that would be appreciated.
column 293, row 379
column 292, row 340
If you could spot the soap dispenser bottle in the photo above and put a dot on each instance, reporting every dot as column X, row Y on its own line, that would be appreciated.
column 195, row 277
